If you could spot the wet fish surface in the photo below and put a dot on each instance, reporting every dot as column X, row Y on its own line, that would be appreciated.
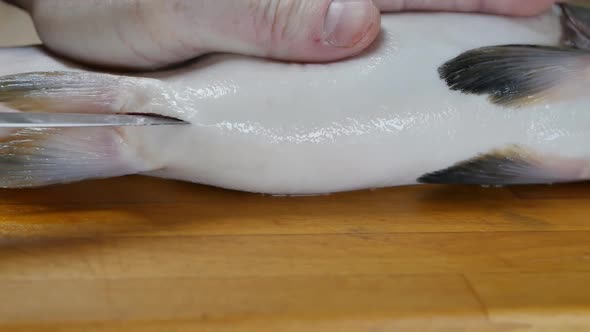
column 440, row 98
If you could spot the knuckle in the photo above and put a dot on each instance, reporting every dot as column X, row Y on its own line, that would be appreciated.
column 278, row 21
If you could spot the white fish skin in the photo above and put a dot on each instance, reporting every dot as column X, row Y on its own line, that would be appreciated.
column 382, row 119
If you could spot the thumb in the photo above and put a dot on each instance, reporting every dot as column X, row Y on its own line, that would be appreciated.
column 148, row 34
column 300, row 30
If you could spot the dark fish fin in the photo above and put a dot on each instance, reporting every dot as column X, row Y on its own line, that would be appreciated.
column 41, row 157
column 576, row 24
column 511, row 166
column 47, row 156
column 518, row 75
column 78, row 92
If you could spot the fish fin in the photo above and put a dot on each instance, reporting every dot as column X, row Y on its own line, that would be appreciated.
column 80, row 92
column 34, row 157
column 41, row 157
column 519, row 75
column 576, row 25
column 511, row 166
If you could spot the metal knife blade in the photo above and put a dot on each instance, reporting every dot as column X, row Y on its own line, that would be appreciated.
column 69, row 120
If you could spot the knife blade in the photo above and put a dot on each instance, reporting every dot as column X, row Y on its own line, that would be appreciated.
column 69, row 120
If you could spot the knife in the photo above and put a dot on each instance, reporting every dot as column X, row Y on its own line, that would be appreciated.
column 68, row 120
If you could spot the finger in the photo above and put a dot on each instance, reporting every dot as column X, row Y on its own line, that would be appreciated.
column 500, row 7
column 299, row 30
column 145, row 34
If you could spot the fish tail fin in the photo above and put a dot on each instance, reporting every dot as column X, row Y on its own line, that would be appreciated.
column 519, row 75
column 40, row 157
column 46, row 156
column 79, row 92
column 512, row 166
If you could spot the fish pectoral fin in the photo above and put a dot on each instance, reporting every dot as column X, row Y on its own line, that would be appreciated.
column 40, row 157
column 519, row 75
column 80, row 92
column 511, row 166
column 576, row 24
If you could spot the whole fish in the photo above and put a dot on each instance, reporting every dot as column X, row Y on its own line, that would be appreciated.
column 440, row 98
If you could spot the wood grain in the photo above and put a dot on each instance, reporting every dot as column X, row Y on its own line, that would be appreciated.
column 137, row 254
column 141, row 254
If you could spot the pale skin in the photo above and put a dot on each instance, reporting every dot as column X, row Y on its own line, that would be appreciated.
column 150, row 34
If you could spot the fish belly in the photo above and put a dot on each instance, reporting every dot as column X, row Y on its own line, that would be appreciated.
column 381, row 119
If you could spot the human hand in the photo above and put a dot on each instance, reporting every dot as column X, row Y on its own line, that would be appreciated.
column 149, row 34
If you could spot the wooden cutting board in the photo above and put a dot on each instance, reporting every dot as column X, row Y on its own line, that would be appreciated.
column 141, row 254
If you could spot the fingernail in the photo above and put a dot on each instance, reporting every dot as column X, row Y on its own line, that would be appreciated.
column 348, row 21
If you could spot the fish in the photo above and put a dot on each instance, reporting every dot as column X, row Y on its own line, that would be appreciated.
column 440, row 98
